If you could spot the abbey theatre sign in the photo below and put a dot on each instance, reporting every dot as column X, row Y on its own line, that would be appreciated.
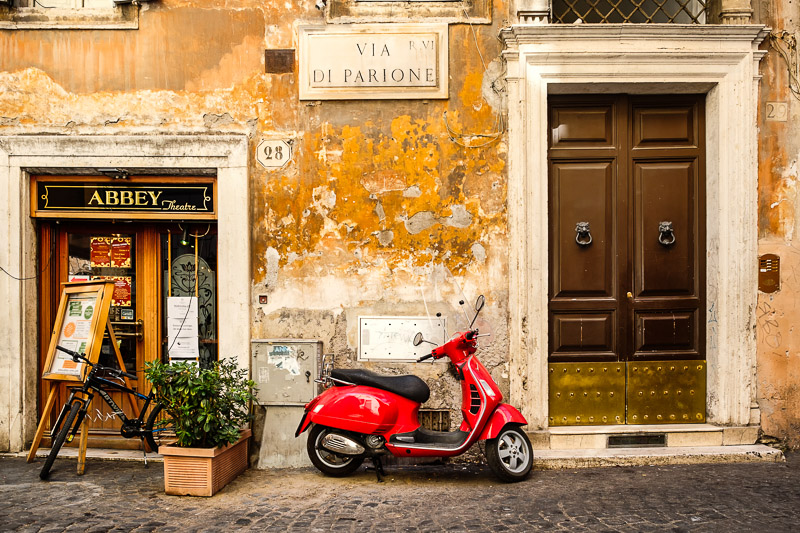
column 374, row 62
column 132, row 200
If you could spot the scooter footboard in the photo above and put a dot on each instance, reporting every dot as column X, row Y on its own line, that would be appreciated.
column 504, row 414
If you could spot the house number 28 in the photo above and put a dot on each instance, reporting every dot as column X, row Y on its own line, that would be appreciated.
column 274, row 153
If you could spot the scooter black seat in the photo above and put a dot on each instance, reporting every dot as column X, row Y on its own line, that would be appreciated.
column 410, row 387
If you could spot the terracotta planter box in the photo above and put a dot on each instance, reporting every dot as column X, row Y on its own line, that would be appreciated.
column 203, row 471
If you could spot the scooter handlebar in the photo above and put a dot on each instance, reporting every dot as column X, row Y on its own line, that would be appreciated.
column 424, row 357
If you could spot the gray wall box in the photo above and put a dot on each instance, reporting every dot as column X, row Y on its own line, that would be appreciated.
column 284, row 370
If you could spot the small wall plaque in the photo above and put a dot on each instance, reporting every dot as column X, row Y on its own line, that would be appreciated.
column 279, row 61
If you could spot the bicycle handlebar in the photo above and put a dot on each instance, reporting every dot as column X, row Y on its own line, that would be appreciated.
column 76, row 356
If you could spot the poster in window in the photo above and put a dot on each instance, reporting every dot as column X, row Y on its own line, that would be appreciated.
column 122, row 291
column 182, row 332
column 121, row 252
column 100, row 251
column 121, row 297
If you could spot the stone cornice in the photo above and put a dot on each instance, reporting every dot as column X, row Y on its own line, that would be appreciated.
column 539, row 33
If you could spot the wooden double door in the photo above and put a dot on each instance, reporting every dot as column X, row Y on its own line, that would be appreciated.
column 626, row 259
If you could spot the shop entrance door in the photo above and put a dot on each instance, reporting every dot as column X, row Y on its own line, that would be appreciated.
column 626, row 254
column 149, row 262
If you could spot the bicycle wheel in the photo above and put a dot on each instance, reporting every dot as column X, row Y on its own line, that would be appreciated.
column 158, row 432
column 59, row 440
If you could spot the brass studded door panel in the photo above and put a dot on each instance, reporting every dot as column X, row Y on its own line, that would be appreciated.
column 626, row 243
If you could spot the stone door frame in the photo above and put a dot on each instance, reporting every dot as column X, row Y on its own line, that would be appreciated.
column 23, row 155
column 720, row 61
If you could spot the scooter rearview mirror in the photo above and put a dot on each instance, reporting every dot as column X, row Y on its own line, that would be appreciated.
column 417, row 339
column 478, row 306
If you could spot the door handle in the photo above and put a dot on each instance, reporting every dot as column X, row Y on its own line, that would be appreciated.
column 583, row 235
column 630, row 295
column 666, row 235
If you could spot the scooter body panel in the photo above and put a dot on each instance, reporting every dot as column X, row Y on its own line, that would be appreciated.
column 480, row 395
column 502, row 415
column 362, row 409
column 481, row 398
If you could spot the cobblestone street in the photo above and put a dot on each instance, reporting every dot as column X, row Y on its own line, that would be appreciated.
column 126, row 496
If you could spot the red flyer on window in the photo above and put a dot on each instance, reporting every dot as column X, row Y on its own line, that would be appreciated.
column 121, row 252
column 122, row 291
column 100, row 251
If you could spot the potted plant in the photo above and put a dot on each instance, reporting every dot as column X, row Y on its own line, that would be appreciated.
column 209, row 409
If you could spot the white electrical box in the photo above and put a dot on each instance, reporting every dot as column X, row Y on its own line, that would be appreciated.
column 390, row 338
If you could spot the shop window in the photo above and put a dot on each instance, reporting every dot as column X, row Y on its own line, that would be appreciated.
column 461, row 11
column 189, row 269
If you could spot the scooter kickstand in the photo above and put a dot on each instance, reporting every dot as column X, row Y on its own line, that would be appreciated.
column 144, row 452
column 378, row 465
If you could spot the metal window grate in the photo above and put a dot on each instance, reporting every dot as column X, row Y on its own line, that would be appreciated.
column 657, row 440
column 630, row 11
column 435, row 419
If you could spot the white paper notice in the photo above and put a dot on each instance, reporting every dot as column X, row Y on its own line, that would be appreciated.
column 182, row 327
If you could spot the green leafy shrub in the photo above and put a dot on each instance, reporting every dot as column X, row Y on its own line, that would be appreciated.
column 207, row 406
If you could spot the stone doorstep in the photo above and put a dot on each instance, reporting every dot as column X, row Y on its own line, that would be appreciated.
column 677, row 436
column 561, row 459
column 587, row 446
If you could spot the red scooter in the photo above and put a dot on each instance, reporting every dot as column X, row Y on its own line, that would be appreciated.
column 367, row 415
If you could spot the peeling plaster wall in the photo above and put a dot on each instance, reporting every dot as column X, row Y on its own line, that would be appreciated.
column 379, row 204
column 778, row 314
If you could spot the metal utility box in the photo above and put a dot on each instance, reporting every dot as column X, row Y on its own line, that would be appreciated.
column 285, row 370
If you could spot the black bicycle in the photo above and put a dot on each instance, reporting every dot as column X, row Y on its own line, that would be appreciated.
column 153, row 431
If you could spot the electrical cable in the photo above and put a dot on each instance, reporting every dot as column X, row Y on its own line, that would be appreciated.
column 188, row 307
column 38, row 274
column 500, row 128
column 789, row 56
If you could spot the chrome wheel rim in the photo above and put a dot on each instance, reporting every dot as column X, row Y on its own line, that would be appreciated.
column 513, row 452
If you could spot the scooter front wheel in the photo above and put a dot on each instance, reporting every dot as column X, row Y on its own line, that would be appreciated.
column 510, row 455
column 329, row 463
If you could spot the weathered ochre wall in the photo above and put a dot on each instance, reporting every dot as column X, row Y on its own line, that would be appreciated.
column 778, row 313
column 379, row 205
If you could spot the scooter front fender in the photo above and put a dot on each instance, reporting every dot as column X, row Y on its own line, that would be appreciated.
column 361, row 409
column 502, row 415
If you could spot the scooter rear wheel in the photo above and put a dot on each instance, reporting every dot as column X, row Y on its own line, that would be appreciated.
column 510, row 455
column 329, row 463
